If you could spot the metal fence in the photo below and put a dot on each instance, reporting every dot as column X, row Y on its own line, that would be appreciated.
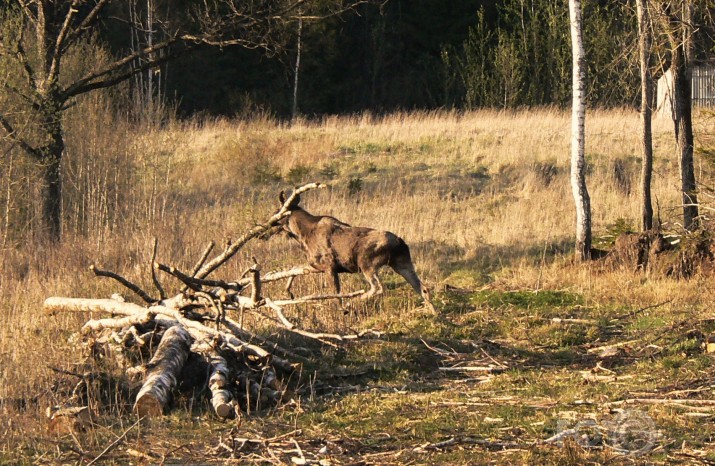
column 703, row 85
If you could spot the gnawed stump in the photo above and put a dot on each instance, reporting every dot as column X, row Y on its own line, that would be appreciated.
column 68, row 420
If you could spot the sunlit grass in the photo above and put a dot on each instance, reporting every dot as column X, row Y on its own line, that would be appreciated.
column 483, row 200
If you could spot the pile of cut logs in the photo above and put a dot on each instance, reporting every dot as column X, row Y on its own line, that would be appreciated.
column 241, row 369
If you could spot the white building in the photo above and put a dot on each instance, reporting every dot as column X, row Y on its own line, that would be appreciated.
column 702, row 85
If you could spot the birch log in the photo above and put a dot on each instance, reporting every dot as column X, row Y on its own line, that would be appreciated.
column 221, row 398
column 164, row 368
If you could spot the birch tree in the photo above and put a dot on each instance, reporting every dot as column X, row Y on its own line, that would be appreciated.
column 578, row 120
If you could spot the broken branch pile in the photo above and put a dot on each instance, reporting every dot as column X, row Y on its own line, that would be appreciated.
column 193, row 333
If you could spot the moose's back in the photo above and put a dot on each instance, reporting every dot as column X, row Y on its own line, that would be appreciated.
column 333, row 245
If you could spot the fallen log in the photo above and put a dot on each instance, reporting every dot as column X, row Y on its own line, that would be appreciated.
column 163, row 372
column 128, row 321
column 221, row 398
column 54, row 304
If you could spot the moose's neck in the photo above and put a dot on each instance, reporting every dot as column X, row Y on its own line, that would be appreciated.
column 302, row 223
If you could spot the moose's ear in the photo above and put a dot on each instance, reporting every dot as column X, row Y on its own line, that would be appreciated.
column 294, row 203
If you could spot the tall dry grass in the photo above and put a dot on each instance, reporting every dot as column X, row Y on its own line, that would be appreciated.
column 482, row 197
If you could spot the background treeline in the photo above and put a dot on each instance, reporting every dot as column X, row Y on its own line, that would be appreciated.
column 409, row 54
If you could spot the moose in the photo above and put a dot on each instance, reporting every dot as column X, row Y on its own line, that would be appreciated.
column 334, row 247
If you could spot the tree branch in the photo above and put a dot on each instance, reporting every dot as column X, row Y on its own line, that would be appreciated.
column 88, row 20
column 12, row 135
column 103, row 78
column 196, row 284
column 200, row 262
column 22, row 95
column 58, row 50
column 28, row 11
column 154, row 278
column 141, row 293
column 232, row 249
column 22, row 58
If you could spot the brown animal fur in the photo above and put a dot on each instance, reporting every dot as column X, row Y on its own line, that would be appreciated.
column 334, row 247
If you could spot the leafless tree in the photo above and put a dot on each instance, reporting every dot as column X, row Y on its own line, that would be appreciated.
column 677, row 23
column 645, row 43
column 49, row 30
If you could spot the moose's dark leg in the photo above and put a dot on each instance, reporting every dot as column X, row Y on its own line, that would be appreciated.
column 336, row 280
column 288, row 285
column 375, row 284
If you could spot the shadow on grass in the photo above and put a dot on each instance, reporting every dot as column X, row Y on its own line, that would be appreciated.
column 488, row 332
column 474, row 267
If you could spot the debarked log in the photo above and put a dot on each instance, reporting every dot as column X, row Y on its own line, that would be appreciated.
column 163, row 371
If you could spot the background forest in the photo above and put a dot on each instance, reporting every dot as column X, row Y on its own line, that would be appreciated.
column 424, row 54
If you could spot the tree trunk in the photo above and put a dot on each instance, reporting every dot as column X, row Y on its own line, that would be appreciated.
column 50, row 155
column 681, row 45
column 578, row 119
column 645, row 43
column 299, row 45
column 52, row 202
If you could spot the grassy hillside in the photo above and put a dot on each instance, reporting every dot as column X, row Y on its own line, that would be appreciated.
column 484, row 202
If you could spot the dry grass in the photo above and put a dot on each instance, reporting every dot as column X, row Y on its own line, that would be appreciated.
column 482, row 198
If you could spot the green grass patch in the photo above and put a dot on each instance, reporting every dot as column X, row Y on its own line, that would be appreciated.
column 525, row 299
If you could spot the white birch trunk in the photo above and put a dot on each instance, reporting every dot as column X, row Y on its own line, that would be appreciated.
column 221, row 398
column 299, row 46
column 164, row 370
column 578, row 119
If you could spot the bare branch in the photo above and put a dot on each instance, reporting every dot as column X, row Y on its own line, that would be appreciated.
column 12, row 135
column 232, row 249
column 203, row 258
column 200, row 262
column 197, row 284
column 88, row 20
column 319, row 297
column 21, row 94
column 141, row 293
column 104, row 77
column 255, row 272
column 41, row 32
column 27, row 10
column 322, row 337
column 22, row 58
column 281, row 275
column 154, row 278
column 59, row 43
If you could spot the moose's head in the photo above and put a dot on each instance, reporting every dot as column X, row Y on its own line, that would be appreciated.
column 285, row 223
column 293, row 204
